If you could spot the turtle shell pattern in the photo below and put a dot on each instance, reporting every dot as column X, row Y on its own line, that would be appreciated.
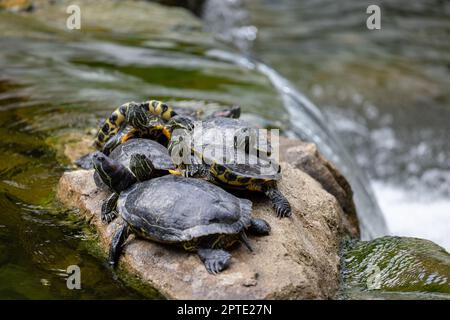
column 157, row 153
column 173, row 209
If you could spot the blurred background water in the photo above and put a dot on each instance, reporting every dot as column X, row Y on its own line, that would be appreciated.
column 384, row 92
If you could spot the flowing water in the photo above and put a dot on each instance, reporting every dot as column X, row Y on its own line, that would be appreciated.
column 56, row 83
column 385, row 92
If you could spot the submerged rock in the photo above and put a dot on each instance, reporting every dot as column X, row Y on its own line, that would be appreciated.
column 396, row 267
column 299, row 259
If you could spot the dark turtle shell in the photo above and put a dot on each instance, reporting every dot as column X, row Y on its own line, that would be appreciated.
column 157, row 153
column 175, row 209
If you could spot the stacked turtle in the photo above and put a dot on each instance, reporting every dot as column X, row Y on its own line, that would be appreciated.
column 181, row 204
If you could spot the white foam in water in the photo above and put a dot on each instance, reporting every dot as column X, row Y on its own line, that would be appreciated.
column 411, row 216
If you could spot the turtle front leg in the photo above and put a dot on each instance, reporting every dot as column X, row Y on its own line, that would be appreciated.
column 259, row 227
column 197, row 171
column 215, row 260
column 142, row 167
column 116, row 244
column 193, row 171
column 279, row 202
column 109, row 212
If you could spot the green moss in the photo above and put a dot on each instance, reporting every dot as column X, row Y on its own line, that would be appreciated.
column 91, row 246
column 137, row 284
column 396, row 264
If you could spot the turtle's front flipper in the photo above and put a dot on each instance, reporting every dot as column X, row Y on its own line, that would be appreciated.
column 259, row 227
column 215, row 260
column 109, row 213
column 279, row 202
column 85, row 162
column 197, row 171
column 181, row 122
column 141, row 166
column 116, row 244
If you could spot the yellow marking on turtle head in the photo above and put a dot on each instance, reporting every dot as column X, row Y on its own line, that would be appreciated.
column 160, row 109
column 176, row 172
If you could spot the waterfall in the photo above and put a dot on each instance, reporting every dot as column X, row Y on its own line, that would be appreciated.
column 307, row 121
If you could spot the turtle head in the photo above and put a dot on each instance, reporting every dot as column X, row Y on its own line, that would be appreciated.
column 181, row 122
column 137, row 116
column 115, row 175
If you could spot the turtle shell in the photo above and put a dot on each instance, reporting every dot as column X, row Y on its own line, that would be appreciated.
column 238, row 163
column 174, row 209
column 214, row 127
column 211, row 136
column 254, row 168
column 157, row 153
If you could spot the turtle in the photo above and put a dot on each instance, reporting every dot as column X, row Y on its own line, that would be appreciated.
column 153, row 128
column 199, row 113
column 257, row 172
column 136, row 160
column 191, row 213
column 127, row 116
column 147, row 118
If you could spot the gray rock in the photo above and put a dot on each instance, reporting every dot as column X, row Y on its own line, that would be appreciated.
column 306, row 157
column 298, row 260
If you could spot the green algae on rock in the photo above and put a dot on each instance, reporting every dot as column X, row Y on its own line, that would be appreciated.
column 408, row 266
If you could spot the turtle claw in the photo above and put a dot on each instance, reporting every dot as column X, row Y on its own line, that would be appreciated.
column 279, row 202
column 108, row 212
column 215, row 260
column 283, row 211
column 211, row 267
column 108, row 217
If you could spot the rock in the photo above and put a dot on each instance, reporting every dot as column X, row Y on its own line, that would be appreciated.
column 306, row 157
column 301, row 155
column 71, row 144
column 299, row 260
column 396, row 267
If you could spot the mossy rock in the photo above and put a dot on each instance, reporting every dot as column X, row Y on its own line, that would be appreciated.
column 396, row 264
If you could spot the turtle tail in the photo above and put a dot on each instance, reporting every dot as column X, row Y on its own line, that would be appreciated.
column 243, row 238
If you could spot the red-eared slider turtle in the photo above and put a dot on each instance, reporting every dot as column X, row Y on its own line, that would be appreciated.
column 191, row 213
column 135, row 160
column 241, row 169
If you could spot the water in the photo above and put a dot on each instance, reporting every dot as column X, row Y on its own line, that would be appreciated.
column 56, row 84
column 385, row 93
column 308, row 124
column 38, row 238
